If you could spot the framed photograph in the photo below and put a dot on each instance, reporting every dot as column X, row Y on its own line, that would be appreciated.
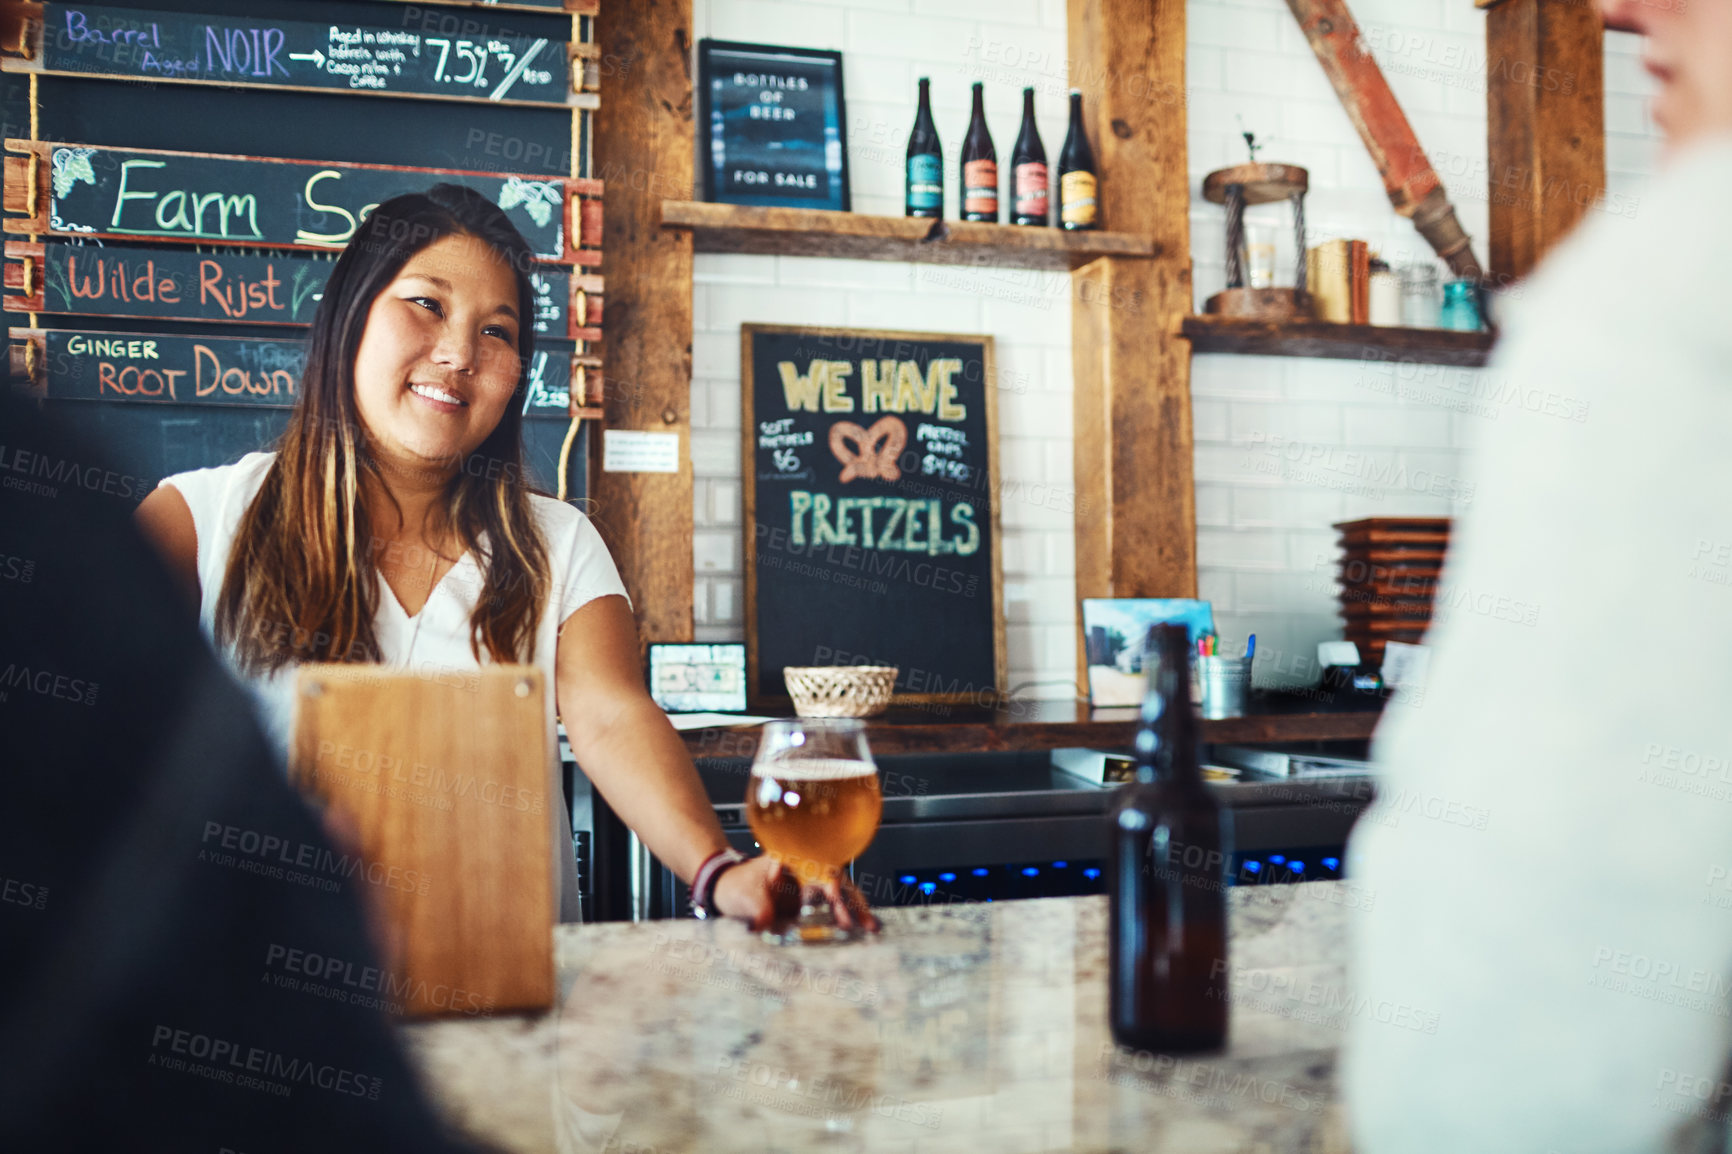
column 1113, row 633
column 872, row 536
column 698, row 678
column 772, row 127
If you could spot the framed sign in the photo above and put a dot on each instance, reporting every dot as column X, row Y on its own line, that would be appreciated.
column 774, row 124
column 687, row 678
column 575, row 7
column 238, row 51
column 176, row 369
column 234, row 286
column 1115, row 632
column 138, row 194
column 871, row 465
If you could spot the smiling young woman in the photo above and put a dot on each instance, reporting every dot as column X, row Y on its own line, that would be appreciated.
column 393, row 524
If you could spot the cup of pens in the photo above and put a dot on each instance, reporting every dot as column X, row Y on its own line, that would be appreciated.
column 1223, row 682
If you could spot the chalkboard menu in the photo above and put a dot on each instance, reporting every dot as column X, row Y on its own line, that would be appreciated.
column 228, row 287
column 194, row 166
column 774, row 125
column 871, row 466
column 238, row 51
column 577, row 7
column 135, row 194
column 170, row 369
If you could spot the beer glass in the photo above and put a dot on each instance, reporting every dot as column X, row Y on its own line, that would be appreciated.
column 813, row 804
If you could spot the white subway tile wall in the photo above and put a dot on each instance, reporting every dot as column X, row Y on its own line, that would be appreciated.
column 1284, row 446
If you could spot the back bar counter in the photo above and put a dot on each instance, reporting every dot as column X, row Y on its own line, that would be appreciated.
column 974, row 809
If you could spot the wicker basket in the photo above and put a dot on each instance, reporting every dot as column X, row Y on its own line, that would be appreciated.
column 840, row 690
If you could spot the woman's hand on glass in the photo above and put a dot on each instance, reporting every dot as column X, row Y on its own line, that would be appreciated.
column 764, row 892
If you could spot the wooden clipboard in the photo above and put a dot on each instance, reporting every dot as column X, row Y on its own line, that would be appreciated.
column 442, row 780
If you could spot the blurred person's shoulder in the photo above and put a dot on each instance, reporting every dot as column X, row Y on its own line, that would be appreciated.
column 1637, row 263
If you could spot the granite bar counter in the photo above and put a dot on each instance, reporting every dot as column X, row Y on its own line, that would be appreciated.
column 959, row 1028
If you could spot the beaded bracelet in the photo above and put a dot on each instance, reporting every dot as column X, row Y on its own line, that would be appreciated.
column 703, row 899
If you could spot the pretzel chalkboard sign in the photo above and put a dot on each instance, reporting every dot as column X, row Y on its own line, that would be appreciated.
column 871, row 470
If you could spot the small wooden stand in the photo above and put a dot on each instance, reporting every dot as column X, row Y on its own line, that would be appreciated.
column 1247, row 184
column 1390, row 567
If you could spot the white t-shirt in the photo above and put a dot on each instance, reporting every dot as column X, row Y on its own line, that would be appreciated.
column 1546, row 961
column 434, row 640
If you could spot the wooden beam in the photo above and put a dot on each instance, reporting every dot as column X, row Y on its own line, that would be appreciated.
column 643, row 150
column 1545, row 126
column 1413, row 186
column 1136, row 524
column 1611, row 25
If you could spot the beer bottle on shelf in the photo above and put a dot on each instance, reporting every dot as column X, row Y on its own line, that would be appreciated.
column 925, row 161
column 979, row 167
column 1167, row 874
column 1028, row 170
column 1078, row 194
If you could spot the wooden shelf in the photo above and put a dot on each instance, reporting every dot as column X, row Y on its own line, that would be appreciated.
column 1309, row 338
column 1048, row 725
column 814, row 232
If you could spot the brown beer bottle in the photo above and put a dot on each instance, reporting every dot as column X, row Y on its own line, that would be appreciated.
column 1167, row 874
column 979, row 167
column 1078, row 183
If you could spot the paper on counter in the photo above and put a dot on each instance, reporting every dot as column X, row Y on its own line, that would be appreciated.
column 1405, row 666
column 685, row 721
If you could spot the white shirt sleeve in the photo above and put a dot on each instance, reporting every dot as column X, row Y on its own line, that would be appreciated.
column 202, row 490
column 218, row 498
column 581, row 567
column 1549, row 861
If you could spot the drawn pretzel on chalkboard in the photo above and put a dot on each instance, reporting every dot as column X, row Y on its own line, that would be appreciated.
column 869, row 452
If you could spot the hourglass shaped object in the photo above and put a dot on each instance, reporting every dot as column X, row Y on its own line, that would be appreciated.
column 1248, row 184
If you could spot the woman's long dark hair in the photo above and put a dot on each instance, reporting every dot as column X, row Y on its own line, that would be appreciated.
column 300, row 583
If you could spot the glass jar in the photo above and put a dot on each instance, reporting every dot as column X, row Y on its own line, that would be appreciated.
column 1259, row 256
column 1461, row 306
column 1383, row 295
column 1421, row 300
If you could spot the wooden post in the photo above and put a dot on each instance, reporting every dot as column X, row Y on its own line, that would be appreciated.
column 1545, row 125
column 1136, row 522
column 643, row 151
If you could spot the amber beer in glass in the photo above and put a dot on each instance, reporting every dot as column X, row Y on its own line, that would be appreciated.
column 814, row 804
column 1167, row 875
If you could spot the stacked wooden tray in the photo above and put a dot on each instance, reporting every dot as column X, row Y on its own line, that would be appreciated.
column 1389, row 573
